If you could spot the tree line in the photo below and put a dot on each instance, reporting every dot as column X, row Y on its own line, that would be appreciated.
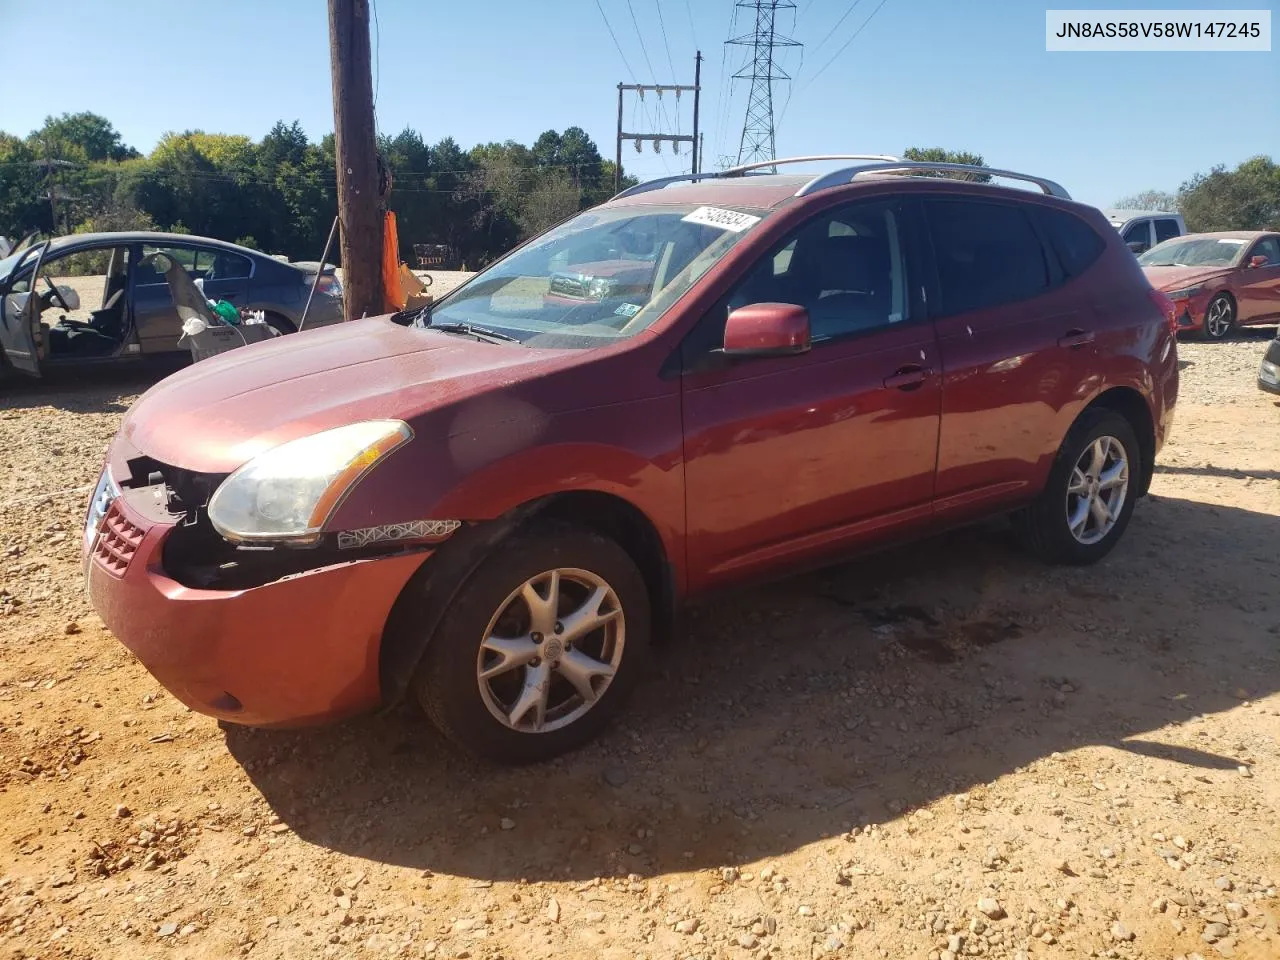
column 279, row 194
column 1246, row 198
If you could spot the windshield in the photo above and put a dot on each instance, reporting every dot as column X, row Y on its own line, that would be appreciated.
column 603, row 276
column 1202, row 252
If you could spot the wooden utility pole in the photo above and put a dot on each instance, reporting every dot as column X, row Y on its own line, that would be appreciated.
column 695, row 153
column 359, row 207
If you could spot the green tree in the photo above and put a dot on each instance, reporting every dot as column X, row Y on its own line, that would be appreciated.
column 22, row 205
column 942, row 155
column 1246, row 198
column 83, row 137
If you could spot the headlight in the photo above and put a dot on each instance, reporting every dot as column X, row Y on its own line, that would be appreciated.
column 599, row 288
column 105, row 492
column 289, row 492
column 1186, row 294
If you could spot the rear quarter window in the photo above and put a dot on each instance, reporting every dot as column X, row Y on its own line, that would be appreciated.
column 1076, row 243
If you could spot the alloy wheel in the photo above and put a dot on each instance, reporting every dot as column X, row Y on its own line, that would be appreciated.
column 1097, row 490
column 551, row 650
column 1217, row 319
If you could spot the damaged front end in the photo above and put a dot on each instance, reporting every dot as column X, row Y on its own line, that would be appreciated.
column 196, row 554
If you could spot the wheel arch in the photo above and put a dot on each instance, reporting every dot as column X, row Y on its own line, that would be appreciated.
column 1131, row 405
column 438, row 580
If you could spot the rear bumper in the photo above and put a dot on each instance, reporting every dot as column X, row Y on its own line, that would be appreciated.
column 299, row 651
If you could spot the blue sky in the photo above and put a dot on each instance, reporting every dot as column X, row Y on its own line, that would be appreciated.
column 970, row 75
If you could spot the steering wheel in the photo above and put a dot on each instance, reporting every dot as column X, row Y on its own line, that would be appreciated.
column 56, row 296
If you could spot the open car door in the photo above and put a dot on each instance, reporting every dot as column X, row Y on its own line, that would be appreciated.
column 20, row 317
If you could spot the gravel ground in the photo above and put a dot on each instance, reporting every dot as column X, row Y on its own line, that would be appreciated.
column 947, row 751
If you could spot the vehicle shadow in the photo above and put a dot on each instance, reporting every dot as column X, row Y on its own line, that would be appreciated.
column 86, row 389
column 792, row 713
column 1232, row 473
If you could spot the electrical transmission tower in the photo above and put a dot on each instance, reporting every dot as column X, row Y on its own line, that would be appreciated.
column 762, row 70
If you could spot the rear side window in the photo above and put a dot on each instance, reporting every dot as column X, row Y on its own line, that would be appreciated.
column 987, row 254
column 1166, row 229
column 1075, row 242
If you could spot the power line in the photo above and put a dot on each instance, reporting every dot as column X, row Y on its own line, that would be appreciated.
column 832, row 32
column 616, row 44
column 843, row 48
column 653, row 74
column 693, row 31
column 662, row 25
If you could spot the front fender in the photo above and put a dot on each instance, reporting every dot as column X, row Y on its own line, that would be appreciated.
column 488, row 457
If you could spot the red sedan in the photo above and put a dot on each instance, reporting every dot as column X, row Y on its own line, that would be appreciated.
column 1218, row 280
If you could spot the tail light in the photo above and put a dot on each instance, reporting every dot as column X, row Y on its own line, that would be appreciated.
column 1167, row 307
column 328, row 284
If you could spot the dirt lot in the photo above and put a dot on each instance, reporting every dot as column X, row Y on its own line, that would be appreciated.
column 947, row 751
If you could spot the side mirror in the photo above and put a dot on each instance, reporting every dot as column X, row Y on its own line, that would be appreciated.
column 1258, row 261
column 767, row 330
column 1136, row 246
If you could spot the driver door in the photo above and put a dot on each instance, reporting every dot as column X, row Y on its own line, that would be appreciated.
column 20, row 318
column 803, row 458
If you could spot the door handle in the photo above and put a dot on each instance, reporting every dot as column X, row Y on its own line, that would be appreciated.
column 908, row 377
column 1074, row 339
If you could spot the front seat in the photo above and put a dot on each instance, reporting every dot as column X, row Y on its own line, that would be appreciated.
column 108, row 319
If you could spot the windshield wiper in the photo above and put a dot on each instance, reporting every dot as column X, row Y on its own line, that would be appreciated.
column 470, row 329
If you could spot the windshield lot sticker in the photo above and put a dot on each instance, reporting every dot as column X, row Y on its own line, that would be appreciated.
column 729, row 220
column 627, row 310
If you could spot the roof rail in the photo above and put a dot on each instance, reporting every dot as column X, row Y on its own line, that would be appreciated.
column 838, row 178
column 746, row 167
column 743, row 170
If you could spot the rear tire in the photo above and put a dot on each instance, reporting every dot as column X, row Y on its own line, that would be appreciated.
column 279, row 324
column 555, row 615
column 1086, row 504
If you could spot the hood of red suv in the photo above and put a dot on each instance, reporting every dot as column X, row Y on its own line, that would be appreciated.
column 1177, row 278
column 217, row 414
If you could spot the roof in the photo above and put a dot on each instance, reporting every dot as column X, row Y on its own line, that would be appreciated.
column 760, row 190
column 1122, row 215
column 1229, row 235
column 766, row 191
column 148, row 236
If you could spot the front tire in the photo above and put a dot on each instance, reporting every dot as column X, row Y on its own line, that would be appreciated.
column 1219, row 317
column 540, row 648
column 1086, row 505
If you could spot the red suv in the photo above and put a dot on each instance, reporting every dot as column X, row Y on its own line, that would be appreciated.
column 496, row 505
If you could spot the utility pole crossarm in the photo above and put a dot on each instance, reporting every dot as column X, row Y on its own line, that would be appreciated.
column 658, row 138
column 659, row 86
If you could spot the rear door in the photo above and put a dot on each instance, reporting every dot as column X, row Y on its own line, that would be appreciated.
column 20, row 317
column 1014, row 349
column 225, row 274
column 1166, row 229
column 154, row 315
column 1260, row 286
